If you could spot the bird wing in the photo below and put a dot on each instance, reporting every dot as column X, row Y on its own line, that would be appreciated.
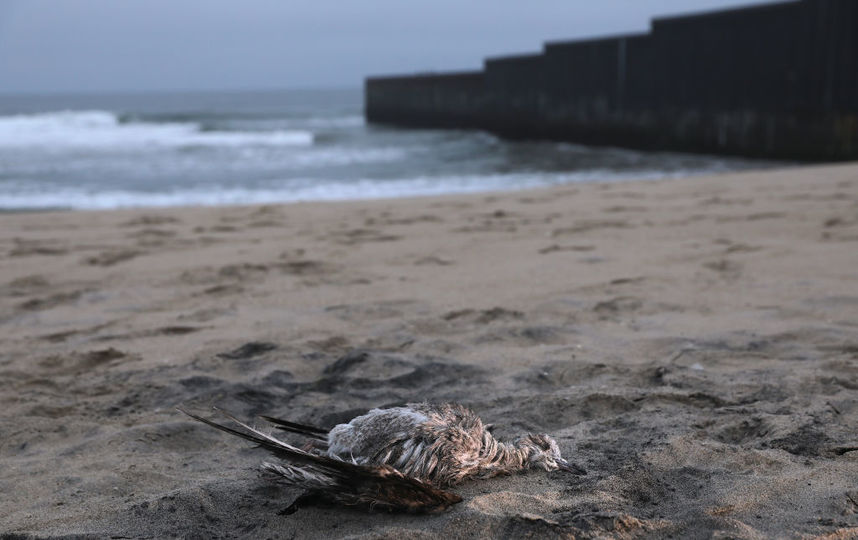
column 381, row 487
column 301, row 429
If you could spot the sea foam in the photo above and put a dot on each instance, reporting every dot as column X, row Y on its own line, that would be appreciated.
column 102, row 130
column 299, row 190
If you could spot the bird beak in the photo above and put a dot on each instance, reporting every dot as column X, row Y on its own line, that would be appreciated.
column 564, row 465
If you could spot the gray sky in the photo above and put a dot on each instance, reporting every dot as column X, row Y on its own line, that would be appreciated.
column 104, row 45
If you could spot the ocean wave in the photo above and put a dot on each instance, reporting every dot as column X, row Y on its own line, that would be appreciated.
column 104, row 130
column 338, row 156
column 21, row 195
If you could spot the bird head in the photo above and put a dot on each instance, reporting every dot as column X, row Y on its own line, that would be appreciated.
column 544, row 452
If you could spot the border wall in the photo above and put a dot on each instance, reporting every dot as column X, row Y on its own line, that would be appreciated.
column 773, row 80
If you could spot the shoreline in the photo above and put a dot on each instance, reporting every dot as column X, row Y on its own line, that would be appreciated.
column 690, row 342
column 669, row 166
column 618, row 178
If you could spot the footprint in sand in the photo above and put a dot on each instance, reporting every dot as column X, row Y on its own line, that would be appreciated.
column 525, row 336
column 306, row 268
column 432, row 260
column 265, row 224
column 149, row 220
column 80, row 362
column 222, row 290
column 553, row 248
column 425, row 218
column 352, row 237
column 370, row 311
column 621, row 208
column 725, row 268
column 206, row 314
column 167, row 331
column 152, row 237
column 112, row 257
column 590, row 225
column 26, row 285
column 483, row 316
column 243, row 271
column 54, row 300
column 617, row 307
column 24, row 248
column 331, row 344
column 249, row 350
column 223, row 229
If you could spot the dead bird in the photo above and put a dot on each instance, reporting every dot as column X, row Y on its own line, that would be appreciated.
column 398, row 458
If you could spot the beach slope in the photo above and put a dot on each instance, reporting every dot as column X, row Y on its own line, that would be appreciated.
column 692, row 343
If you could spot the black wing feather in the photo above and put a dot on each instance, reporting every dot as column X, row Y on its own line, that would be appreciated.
column 301, row 429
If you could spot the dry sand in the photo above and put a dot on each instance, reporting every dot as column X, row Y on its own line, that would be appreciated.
column 693, row 343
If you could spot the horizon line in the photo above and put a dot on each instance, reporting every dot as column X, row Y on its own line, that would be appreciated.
column 131, row 91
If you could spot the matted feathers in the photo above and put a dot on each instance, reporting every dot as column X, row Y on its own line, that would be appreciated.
column 398, row 458
column 376, row 486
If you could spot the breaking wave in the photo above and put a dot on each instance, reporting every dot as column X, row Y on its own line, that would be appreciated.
column 305, row 189
column 104, row 130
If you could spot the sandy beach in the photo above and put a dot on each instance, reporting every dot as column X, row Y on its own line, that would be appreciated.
column 693, row 343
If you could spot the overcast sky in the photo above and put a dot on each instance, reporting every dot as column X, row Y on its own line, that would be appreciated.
column 141, row 45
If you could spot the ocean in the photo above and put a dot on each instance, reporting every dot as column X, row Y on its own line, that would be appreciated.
column 216, row 148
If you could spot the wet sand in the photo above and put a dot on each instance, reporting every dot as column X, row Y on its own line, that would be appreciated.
column 693, row 343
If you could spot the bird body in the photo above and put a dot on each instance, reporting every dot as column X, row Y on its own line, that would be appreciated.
column 436, row 444
column 399, row 458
